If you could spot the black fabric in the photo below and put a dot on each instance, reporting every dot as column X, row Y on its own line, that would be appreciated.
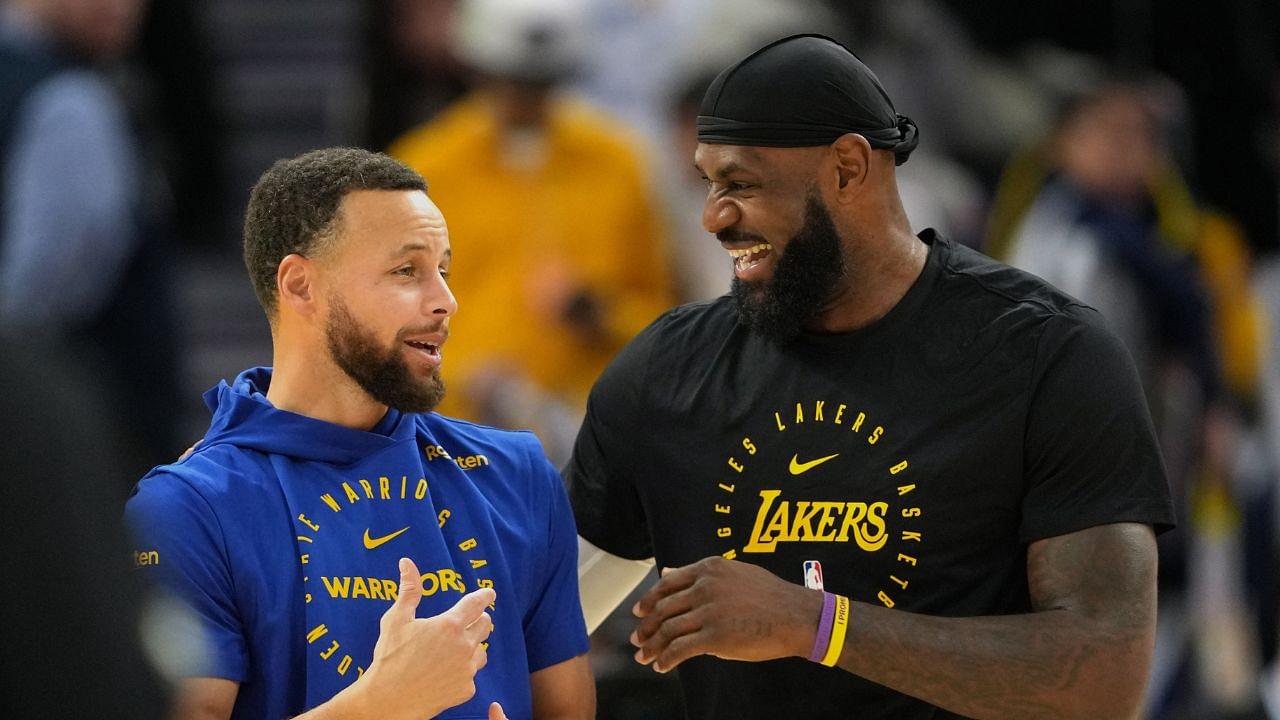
column 804, row 90
column 985, row 411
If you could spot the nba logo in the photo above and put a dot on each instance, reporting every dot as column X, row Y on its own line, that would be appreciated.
column 813, row 574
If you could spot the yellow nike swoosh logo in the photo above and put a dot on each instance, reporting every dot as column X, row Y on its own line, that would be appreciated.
column 371, row 543
column 798, row 467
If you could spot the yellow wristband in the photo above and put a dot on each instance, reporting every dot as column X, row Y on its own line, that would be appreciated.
column 838, row 628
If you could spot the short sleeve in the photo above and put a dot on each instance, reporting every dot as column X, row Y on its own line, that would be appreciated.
column 178, row 541
column 554, row 627
column 601, row 474
column 1091, row 456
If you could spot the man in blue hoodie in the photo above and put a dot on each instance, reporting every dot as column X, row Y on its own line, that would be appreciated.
column 338, row 541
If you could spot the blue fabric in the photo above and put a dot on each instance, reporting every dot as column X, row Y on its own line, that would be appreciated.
column 262, row 529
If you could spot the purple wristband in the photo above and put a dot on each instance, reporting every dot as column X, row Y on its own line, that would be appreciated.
column 824, row 627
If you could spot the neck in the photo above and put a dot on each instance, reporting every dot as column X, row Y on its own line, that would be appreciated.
column 309, row 383
column 879, row 272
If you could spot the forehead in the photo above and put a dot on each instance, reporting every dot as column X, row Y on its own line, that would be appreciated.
column 717, row 160
column 373, row 219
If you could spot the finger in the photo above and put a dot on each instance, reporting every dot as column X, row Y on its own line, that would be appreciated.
column 187, row 453
column 409, row 594
column 496, row 713
column 668, row 607
column 673, row 580
column 479, row 630
column 681, row 649
column 667, row 633
column 472, row 605
column 479, row 658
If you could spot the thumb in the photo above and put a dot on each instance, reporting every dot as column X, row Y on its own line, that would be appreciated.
column 409, row 594
column 495, row 712
column 472, row 605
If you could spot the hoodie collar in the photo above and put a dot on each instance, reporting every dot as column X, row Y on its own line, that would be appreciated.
column 242, row 416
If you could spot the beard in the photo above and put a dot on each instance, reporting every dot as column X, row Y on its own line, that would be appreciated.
column 806, row 277
column 381, row 372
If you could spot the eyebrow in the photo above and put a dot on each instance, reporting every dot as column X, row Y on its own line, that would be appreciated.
column 728, row 168
column 414, row 247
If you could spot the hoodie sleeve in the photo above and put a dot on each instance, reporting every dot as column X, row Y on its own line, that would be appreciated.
column 554, row 627
column 179, row 544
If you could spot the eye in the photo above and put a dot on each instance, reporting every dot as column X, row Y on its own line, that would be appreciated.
column 444, row 274
column 404, row 270
column 739, row 186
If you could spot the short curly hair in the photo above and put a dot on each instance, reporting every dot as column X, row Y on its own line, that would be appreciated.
column 293, row 208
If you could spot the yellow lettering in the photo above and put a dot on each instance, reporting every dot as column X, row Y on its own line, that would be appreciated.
column 375, row 589
column 358, row 588
column 901, row 583
column 306, row 558
column 337, row 587
column 444, row 515
column 799, row 413
column 724, row 532
column 910, row 535
column 450, row 579
column 303, row 519
column 326, row 654
column 801, row 529
column 898, row 468
column 432, row 452
column 352, row 497
column 910, row 512
column 875, row 538
column 817, row 410
column 477, row 564
column 907, row 559
column 723, row 509
column 749, row 446
column 368, row 489
column 827, row 522
column 857, row 422
column 757, row 543
column 904, row 489
column 778, row 419
column 839, row 413
column 316, row 633
column 875, row 435
column 404, row 481
column 730, row 554
column 420, row 491
column 467, row 545
column 384, row 487
column 429, row 589
column 727, row 488
column 333, row 504
column 344, row 665
column 390, row 589
column 882, row 597
column 735, row 465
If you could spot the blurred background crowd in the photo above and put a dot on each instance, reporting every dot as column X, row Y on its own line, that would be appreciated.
column 1126, row 150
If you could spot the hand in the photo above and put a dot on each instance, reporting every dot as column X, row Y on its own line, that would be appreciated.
column 496, row 713
column 725, row 608
column 423, row 666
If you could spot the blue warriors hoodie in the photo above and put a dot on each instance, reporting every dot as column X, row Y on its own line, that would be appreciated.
column 283, row 534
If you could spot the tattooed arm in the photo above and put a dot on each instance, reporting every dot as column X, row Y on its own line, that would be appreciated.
column 1084, row 651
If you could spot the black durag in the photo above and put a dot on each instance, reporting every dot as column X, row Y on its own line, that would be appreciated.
column 802, row 91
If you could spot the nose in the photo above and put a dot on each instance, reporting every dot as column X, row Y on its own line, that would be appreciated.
column 439, row 299
column 719, row 213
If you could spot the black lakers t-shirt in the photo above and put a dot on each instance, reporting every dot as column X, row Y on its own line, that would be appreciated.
column 915, row 459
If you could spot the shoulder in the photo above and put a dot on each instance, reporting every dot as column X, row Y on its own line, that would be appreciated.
column 589, row 129
column 967, row 271
column 472, row 445
column 212, row 478
column 438, row 142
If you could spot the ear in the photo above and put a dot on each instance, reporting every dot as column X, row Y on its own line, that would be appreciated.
column 853, row 165
column 295, row 285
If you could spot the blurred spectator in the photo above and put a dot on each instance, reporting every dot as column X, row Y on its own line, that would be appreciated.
column 1100, row 211
column 561, row 258
column 79, row 262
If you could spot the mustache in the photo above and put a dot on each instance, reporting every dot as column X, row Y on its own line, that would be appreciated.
column 733, row 235
column 440, row 327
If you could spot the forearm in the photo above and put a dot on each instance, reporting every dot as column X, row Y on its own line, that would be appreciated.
column 1044, row 665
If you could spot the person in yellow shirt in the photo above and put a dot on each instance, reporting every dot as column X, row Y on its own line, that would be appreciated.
column 565, row 251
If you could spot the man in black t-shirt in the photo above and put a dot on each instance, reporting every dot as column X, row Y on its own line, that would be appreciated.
column 955, row 447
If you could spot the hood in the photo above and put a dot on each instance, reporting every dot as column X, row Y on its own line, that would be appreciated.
column 243, row 417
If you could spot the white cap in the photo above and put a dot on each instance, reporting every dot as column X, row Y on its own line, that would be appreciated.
column 535, row 40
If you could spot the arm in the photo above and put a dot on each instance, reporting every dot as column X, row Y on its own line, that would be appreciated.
column 1084, row 651
column 566, row 691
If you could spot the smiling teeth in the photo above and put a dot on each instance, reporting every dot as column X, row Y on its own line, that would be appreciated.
column 760, row 247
